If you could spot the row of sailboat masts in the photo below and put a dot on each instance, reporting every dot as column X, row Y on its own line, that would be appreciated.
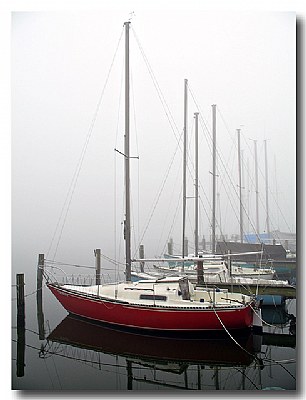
column 240, row 185
column 127, row 222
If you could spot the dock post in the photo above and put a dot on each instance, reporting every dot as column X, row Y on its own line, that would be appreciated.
column 170, row 247
column 40, row 271
column 129, row 375
column 203, row 244
column 40, row 314
column 98, row 266
column 20, row 300
column 186, row 247
column 20, row 325
column 200, row 274
column 141, row 255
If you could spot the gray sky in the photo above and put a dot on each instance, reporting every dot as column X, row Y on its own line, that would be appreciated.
column 242, row 61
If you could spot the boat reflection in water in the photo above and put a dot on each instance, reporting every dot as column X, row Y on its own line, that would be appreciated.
column 157, row 353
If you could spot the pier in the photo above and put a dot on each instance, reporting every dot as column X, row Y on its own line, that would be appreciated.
column 282, row 290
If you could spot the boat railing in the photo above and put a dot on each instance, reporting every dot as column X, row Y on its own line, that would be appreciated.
column 55, row 274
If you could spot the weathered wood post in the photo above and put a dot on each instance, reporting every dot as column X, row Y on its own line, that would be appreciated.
column 40, row 314
column 129, row 375
column 170, row 247
column 141, row 256
column 20, row 300
column 40, row 271
column 20, row 325
column 200, row 274
column 186, row 247
column 203, row 244
column 98, row 266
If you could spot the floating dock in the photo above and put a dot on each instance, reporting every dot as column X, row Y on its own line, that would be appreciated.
column 281, row 290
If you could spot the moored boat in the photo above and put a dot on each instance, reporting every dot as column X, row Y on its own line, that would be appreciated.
column 169, row 304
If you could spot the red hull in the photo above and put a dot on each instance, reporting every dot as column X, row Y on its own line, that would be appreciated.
column 149, row 318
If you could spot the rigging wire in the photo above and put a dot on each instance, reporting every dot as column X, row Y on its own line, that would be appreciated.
column 173, row 222
column 65, row 208
column 156, row 200
column 176, row 195
column 166, row 108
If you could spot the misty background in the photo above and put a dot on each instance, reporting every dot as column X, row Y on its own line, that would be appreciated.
column 68, row 117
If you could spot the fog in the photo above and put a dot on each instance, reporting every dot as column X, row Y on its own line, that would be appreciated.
column 64, row 70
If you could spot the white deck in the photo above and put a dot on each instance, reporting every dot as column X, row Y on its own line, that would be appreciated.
column 163, row 293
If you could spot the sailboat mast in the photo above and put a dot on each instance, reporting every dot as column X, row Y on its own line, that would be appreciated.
column 267, row 190
column 213, row 235
column 196, row 184
column 127, row 222
column 256, row 190
column 240, row 187
column 184, row 167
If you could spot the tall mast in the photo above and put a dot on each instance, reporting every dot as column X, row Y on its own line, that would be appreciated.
column 196, row 184
column 256, row 191
column 184, row 166
column 267, row 191
column 213, row 236
column 127, row 222
column 240, row 187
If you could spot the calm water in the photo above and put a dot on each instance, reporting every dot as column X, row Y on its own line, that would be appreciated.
column 69, row 353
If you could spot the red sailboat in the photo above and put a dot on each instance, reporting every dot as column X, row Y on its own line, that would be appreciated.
column 168, row 304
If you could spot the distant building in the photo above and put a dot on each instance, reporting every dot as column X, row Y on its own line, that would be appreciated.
column 274, row 252
column 254, row 238
column 287, row 240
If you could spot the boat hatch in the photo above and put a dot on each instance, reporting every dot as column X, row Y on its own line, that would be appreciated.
column 152, row 297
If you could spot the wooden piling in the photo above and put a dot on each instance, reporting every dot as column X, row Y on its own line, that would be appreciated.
column 170, row 247
column 20, row 363
column 39, row 306
column 40, row 271
column 129, row 375
column 203, row 244
column 20, row 325
column 200, row 274
column 186, row 246
column 141, row 255
column 20, row 300
column 98, row 266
